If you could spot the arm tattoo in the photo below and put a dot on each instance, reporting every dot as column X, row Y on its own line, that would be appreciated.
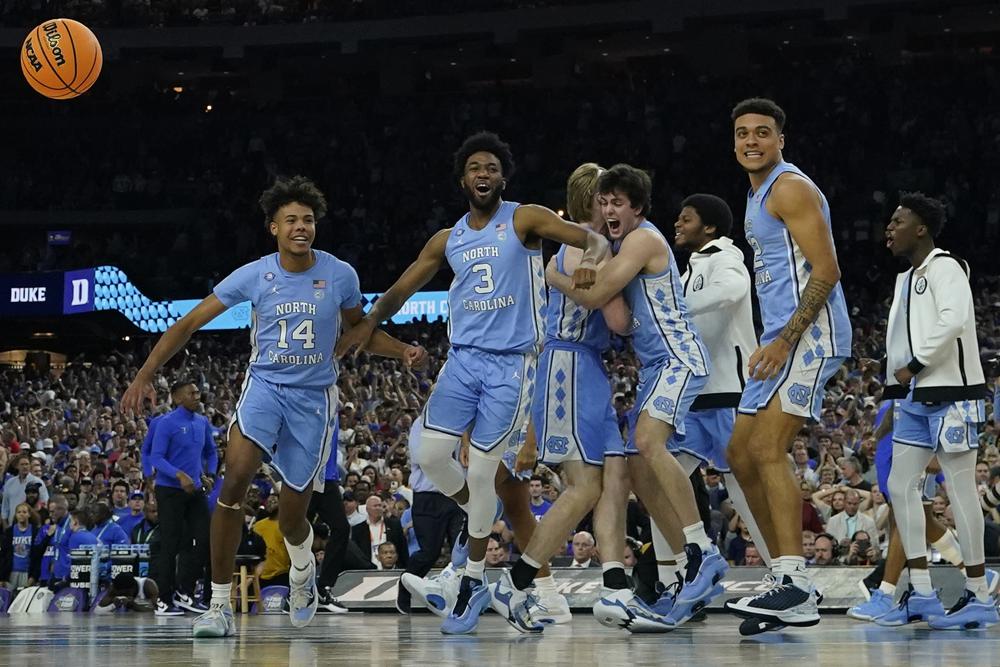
column 813, row 299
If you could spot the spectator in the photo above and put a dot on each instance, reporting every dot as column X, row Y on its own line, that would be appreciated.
column 53, row 540
column 845, row 524
column 811, row 519
column 826, row 550
column 539, row 505
column 809, row 546
column 376, row 530
column 717, row 493
column 147, row 531
column 861, row 550
column 119, row 499
column 387, row 556
column 496, row 554
column 850, row 470
column 14, row 489
column 751, row 557
column 136, row 505
column 105, row 528
column 274, row 570
column 20, row 560
column 583, row 550
column 355, row 515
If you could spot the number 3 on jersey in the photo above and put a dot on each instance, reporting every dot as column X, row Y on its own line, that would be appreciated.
column 486, row 278
column 303, row 332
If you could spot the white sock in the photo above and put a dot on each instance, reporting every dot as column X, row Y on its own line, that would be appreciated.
column 301, row 556
column 610, row 565
column 949, row 548
column 682, row 565
column 546, row 585
column 667, row 572
column 921, row 581
column 221, row 594
column 695, row 534
column 794, row 567
column 887, row 588
column 978, row 586
column 476, row 569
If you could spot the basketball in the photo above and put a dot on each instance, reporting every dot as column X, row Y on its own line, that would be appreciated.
column 61, row 59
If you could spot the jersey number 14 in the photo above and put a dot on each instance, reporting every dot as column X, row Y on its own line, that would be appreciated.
column 303, row 332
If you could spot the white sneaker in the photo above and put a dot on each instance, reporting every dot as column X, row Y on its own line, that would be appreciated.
column 216, row 622
column 551, row 608
column 163, row 609
column 611, row 609
column 303, row 598
column 437, row 593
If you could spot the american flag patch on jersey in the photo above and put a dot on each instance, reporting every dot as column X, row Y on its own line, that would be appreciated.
column 501, row 226
column 319, row 284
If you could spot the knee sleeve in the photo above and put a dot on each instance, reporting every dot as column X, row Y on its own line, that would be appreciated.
column 960, row 472
column 482, row 506
column 436, row 458
column 908, row 465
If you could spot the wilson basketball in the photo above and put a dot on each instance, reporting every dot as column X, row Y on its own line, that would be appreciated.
column 61, row 59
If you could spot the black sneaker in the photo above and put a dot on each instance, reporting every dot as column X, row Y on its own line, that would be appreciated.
column 329, row 604
column 784, row 603
column 163, row 609
column 188, row 603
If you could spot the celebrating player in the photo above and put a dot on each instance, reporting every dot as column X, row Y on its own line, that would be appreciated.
column 288, row 403
column 933, row 354
column 674, row 369
column 806, row 337
column 572, row 416
column 496, row 307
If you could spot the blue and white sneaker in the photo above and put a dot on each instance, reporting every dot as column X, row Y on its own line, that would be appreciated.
column 218, row 621
column 460, row 552
column 782, row 604
column 303, row 599
column 969, row 613
column 912, row 608
column 437, row 593
column 682, row 612
column 878, row 603
column 473, row 599
column 611, row 608
column 513, row 605
column 550, row 608
column 698, row 590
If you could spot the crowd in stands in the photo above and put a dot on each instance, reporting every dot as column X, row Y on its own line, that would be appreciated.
column 859, row 127
column 66, row 449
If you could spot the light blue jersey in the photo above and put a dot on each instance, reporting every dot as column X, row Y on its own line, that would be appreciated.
column 568, row 322
column 781, row 273
column 662, row 329
column 496, row 302
column 296, row 317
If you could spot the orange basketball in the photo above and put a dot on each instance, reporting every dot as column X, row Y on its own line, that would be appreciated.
column 61, row 59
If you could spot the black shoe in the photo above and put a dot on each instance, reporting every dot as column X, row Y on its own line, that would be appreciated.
column 402, row 599
column 329, row 604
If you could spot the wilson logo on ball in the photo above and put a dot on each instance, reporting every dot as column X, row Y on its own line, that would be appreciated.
column 53, row 37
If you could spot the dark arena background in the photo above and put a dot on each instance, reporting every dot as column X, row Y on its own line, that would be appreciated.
column 122, row 208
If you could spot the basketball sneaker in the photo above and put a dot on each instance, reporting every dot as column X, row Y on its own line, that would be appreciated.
column 784, row 603
column 473, row 599
column 329, row 604
column 164, row 609
column 513, row 605
column 912, row 608
column 969, row 613
column 303, row 598
column 992, row 581
column 216, row 622
column 551, row 608
column 188, row 603
column 611, row 608
column 878, row 603
column 437, row 593
column 704, row 572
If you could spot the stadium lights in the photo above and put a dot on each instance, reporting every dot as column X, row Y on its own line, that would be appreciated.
column 178, row 89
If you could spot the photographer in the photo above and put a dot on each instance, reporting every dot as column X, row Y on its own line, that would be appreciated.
column 861, row 550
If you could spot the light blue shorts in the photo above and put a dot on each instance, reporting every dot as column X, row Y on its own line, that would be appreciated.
column 706, row 436
column 800, row 385
column 295, row 426
column 488, row 391
column 572, row 412
column 666, row 392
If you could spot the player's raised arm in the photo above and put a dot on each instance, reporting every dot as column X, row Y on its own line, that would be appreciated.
column 416, row 275
column 531, row 221
column 170, row 343
column 636, row 251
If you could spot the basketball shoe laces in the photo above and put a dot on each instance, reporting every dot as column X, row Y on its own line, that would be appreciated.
column 464, row 594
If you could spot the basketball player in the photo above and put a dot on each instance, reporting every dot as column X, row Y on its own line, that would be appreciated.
column 880, row 585
column 496, row 306
column 717, row 293
column 572, row 416
column 933, row 354
column 806, row 337
column 288, row 402
column 674, row 369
